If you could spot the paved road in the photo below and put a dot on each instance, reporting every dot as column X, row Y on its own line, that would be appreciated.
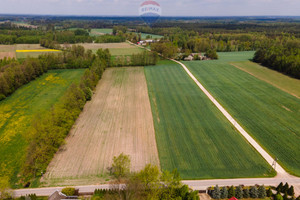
column 194, row 184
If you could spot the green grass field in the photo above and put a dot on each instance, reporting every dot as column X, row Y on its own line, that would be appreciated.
column 21, row 55
column 269, row 114
column 279, row 80
column 100, row 31
column 125, row 51
column 144, row 36
column 17, row 111
column 191, row 134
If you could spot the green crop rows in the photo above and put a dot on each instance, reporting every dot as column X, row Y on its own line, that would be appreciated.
column 269, row 114
column 191, row 134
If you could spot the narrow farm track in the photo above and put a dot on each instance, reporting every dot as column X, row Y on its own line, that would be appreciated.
column 281, row 172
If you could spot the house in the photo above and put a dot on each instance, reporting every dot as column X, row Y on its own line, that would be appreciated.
column 57, row 195
column 189, row 58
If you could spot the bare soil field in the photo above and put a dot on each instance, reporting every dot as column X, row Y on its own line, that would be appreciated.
column 117, row 120
column 28, row 46
column 7, row 55
column 7, row 48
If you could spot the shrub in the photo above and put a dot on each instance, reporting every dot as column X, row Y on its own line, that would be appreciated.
column 246, row 193
column 279, row 187
column 278, row 197
column 285, row 188
column 269, row 192
column 253, row 192
column 239, row 192
column 69, row 191
column 231, row 192
column 285, row 196
column 262, row 192
column 291, row 191
column 224, row 193
column 216, row 193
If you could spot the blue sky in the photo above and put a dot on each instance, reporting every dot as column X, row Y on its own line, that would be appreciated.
column 169, row 7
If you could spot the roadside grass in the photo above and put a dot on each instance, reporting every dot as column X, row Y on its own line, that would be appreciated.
column 269, row 114
column 279, row 80
column 192, row 135
column 18, row 110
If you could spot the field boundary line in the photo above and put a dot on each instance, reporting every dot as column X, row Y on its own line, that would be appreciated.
column 260, row 150
column 269, row 82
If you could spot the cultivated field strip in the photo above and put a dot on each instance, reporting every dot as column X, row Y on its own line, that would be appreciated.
column 117, row 120
column 277, row 79
column 270, row 115
column 192, row 134
column 265, row 155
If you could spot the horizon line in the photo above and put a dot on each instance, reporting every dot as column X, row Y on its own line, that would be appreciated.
column 75, row 15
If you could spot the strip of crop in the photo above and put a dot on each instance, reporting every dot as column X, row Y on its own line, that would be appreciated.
column 269, row 114
column 191, row 133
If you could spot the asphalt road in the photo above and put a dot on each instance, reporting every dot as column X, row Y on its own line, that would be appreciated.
column 194, row 184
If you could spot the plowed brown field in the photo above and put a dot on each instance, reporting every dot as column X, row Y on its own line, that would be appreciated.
column 117, row 120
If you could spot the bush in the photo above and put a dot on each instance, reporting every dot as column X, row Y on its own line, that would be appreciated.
column 269, row 192
column 216, row 193
column 291, row 191
column 285, row 188
column 279, row 187
column 212, row 54
column 224, row 193
column 253, row 192
column 262, row 192
column 278, row 197
column 239, row 192
column 246, row 193
column 231, row 192
column 69, row 191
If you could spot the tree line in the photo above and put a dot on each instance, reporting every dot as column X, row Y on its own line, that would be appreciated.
column 14, row 74
column 48, row 130
column 282, row 56
column 254, row 192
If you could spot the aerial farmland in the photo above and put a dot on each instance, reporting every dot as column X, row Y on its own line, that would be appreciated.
column 113, row 107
